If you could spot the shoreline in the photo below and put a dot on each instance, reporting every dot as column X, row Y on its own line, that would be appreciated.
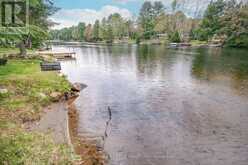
column 64, row 129
column 44, row 112
column 88, row 151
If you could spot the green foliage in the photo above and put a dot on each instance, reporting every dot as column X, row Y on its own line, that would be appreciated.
column 113, row 27
column 109, row 34
column 96, row 31
column 36, row 32
column 199, row 34
column 235, row 25
column 148, row 14
column 240, row 41
column 75, row 33
column 210, row 23
column 226, row 21
column 175, row 37
column 88, row 33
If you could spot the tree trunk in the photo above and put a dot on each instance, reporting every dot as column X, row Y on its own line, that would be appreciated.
column 22, row 48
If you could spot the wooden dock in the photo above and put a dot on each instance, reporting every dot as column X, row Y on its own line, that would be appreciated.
column 59, row 55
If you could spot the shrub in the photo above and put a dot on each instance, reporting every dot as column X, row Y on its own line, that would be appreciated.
column 175, row 37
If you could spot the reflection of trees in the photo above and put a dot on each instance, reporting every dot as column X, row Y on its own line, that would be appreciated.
column 217, row 64
column 150, row 60
column 198, row 67
column 202, row 67
column 240, row 78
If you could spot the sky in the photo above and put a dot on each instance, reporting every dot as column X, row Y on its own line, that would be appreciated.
column 74, row 11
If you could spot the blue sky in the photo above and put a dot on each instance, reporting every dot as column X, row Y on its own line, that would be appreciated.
column 132, row 5
column 74, row 11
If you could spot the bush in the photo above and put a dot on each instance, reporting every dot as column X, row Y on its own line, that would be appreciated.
column 199, row 34
column 240, row 41
column 175, row 37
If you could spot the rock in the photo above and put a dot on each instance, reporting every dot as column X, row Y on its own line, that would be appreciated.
column 42, row 95
column 61, row 75
column 77, row 87
column 71, row 95
column 56, row 96
column 4, row 91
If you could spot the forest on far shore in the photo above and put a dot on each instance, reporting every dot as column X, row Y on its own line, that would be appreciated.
column 225, row 22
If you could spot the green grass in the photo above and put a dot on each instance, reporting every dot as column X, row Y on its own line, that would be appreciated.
column 29, row 88
column 7, row 51
column 19, row 147
column 29, row 91
column 198, row 43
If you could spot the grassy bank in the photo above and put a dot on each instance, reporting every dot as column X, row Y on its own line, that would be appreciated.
column 198, row 43
column 28, row 91
column 7, row 51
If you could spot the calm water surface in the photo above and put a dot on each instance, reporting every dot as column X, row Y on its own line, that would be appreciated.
column 169, row 106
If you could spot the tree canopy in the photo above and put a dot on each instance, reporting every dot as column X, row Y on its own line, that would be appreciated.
column 224, row 20
column 34, row 33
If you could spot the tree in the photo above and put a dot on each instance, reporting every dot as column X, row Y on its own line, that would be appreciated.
column 175, row 37
column 96, row 31
column 146, row 19
column 88, row 33
column 211, row 20
column 234, row 25
column 158, row 8
column 162, row 24
column 33, row 35
column 110, row 35
column 81, row 29
column 174, row 5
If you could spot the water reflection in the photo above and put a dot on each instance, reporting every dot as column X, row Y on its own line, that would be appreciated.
column 170, row 106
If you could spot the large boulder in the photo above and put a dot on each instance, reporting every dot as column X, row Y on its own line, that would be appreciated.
column 77, row 87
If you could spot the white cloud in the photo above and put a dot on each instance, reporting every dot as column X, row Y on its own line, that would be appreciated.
column 70, row 17
column 193, row 8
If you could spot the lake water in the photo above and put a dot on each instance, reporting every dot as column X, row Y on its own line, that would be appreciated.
column 169, row 106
